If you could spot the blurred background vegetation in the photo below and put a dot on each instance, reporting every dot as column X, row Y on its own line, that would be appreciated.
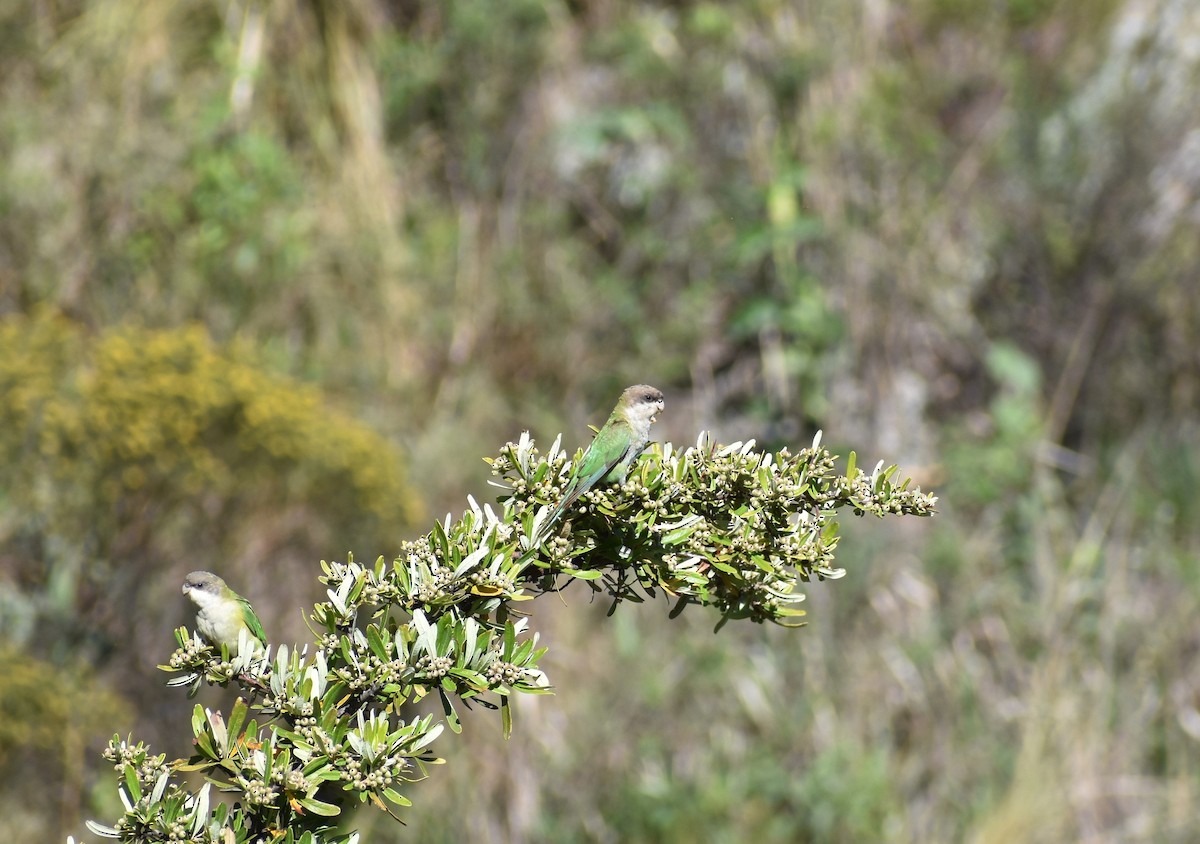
column 274, row 276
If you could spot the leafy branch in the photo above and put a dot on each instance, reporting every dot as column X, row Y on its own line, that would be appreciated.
column 726, row 527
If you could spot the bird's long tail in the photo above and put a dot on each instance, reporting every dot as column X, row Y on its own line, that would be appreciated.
column 561, row 507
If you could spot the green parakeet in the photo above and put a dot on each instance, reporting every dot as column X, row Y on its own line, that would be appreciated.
column 222, row 613
column 613, row 450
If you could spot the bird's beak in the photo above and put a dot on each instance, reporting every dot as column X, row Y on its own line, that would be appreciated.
column 185, row 589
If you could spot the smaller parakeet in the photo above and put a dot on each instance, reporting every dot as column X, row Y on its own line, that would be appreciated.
column 615, row 448
column 222, row 612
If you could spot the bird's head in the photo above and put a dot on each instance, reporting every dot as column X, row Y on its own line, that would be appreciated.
column 641, row 402
column 203, row 587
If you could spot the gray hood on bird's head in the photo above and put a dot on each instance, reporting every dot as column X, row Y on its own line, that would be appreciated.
column 640, row 403
column 203, row 581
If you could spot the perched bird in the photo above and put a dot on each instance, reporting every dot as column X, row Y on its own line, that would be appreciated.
column 613, row 450
column 222, row 613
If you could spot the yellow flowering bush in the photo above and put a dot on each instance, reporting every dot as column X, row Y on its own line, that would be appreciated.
column 135, row 410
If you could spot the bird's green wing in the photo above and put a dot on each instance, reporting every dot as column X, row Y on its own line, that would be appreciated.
column 606, row 451
column 251, row 620
column 610, row 445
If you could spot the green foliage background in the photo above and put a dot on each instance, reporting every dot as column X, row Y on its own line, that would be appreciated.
column 274, row 276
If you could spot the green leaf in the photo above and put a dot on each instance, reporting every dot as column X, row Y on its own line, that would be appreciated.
column 196, row 766
column 198, row 719
column 375, row 642
column 450, row 713
column 318, row 807
column 131, row 783
column 396, row 797
column 472, row 678
column 679, row 534
column 160, row 786
column 237, row 717
column 439, row 541
column 200, row 814
column 584, row 574
column 510, row 636
column 205, row 744
column 506, row 718
column 428, row 738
